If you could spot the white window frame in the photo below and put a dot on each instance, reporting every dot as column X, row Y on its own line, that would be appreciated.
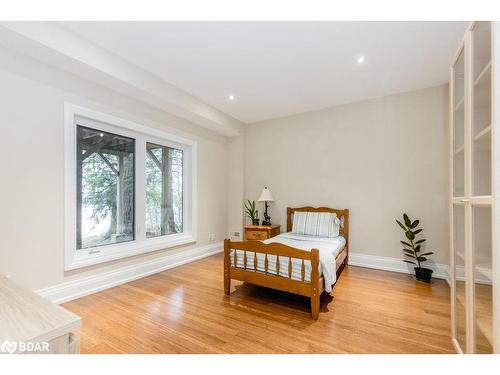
column 75, row 115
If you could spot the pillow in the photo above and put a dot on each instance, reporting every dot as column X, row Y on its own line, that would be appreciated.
column 321, row 224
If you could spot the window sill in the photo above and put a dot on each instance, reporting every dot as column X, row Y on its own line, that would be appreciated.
column 85, row 258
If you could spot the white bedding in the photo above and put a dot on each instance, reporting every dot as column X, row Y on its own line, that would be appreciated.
column 328, row 248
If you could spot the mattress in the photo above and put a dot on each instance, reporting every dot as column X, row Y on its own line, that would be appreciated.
column 329, row 249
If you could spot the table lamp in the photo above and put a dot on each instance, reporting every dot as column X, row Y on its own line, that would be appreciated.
column 266, row 197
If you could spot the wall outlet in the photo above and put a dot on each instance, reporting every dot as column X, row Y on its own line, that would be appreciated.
column 235, row 235
column 211, row 237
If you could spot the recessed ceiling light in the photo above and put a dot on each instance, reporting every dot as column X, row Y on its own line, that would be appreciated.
column 361, row 60
column 101, row 135
column 231, row 97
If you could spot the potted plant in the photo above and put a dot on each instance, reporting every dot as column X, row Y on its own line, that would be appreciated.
column 252, row 212
column 413, row 248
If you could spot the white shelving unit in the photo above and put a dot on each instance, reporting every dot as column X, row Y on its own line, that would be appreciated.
column 472, row 197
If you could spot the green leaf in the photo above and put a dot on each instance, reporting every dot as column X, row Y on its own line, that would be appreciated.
column 420, row 241
column 406, row 243
column 414, row 224
column 421, row 259
column 409, row 261
column 410, row 255
column 410, row 235
column 417, row 231
column 401, row 225
column 430, row 253
column 417, row 248
column 407, row 220
column 250, row 210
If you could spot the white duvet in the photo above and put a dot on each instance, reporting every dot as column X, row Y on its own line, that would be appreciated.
column 328, row 248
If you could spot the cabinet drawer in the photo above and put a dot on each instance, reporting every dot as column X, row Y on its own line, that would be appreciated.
column 256, row 235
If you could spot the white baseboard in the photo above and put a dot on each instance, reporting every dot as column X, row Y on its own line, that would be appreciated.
column 441, row 271
column 482, row 275
column 394, row 264
column 91, row 284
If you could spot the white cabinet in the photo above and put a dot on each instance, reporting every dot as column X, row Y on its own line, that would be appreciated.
column 30, row 324
column 472, row 192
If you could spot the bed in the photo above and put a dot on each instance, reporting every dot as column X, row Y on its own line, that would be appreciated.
column 303, row 264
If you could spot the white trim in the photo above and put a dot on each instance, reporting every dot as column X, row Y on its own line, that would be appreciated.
column 495, row 178
column 123, row 123
column 76, row 259
column 451, row 269
column 79, row 288
column 127, row 249
column 394, row 264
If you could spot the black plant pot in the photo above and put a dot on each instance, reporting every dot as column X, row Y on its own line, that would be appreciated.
column 423, row 274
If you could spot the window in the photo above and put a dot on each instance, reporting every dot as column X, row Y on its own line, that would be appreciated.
column 163, row 190
column 129, row 188
column 105, row 188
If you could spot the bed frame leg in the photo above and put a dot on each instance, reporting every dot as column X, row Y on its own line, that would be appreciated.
column 315, row 302
column 315, row 291
column 227, row 266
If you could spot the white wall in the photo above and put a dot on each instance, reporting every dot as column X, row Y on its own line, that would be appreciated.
column 235, row 183
column 31, row 164
column 379, row 158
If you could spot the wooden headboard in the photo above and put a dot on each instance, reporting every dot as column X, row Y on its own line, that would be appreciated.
column 342, row 214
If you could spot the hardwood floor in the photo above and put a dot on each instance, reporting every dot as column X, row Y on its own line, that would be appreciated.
column 184, row 310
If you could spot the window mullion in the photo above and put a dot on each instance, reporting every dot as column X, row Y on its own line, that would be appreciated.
column 140, row 190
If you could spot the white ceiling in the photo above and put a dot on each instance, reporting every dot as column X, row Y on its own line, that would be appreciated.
column 276, row 69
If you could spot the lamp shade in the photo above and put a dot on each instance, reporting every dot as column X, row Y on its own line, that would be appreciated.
column 266, row 196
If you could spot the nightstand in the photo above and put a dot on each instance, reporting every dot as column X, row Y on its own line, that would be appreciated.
column 261, row 232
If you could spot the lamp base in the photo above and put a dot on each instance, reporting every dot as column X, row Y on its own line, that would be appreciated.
column 267, row 218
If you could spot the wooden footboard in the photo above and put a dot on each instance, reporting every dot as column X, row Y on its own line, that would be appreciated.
column 249, row 273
